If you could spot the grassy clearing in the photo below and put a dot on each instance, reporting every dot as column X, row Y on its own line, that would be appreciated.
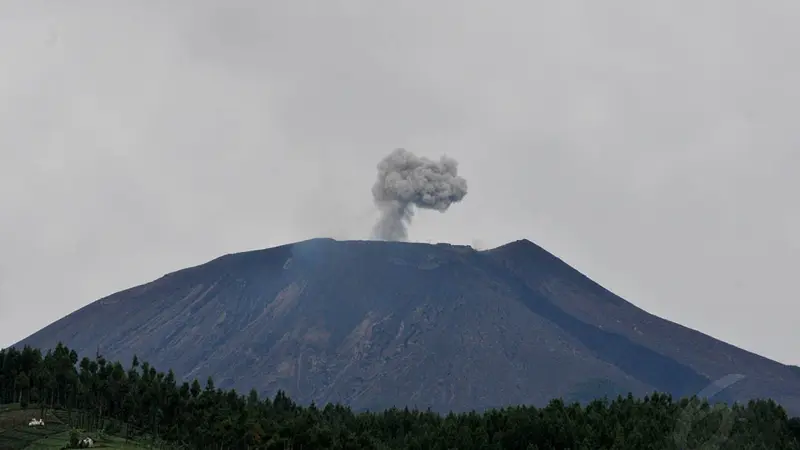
column 15, row 434
column 57, row 442
column 8, row 416
column 20, row 438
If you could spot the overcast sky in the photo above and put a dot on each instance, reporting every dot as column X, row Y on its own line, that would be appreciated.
column 651, row 145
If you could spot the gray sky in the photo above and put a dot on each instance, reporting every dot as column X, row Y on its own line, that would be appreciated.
column 652, row 145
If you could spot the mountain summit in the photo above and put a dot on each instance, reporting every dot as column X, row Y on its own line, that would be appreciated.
column 380, row 324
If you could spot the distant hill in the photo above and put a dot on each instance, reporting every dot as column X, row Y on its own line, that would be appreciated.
column 377, row 324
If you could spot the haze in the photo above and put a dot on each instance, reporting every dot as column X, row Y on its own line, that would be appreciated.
column 652, row 146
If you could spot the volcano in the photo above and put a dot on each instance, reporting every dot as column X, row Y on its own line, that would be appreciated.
column 379, row 324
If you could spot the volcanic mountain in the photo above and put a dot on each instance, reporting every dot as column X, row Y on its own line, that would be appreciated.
column 381, row 324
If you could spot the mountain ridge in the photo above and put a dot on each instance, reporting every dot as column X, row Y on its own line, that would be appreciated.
column 376, row 324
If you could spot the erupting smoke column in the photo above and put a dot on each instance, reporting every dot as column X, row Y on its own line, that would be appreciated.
column 405, row 181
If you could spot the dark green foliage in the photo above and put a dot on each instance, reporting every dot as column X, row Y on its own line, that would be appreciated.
column 143, row 403
column 74, row 437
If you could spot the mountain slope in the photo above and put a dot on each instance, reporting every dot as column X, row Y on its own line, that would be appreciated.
column 377, row 324
column 586, row 301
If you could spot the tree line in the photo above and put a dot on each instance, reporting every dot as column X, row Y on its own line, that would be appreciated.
column 98, row 394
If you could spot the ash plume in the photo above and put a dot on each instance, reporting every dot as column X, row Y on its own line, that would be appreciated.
column 405, row 182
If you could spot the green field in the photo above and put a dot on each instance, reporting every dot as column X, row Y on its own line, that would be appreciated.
column 15, row 434
column 56, row 442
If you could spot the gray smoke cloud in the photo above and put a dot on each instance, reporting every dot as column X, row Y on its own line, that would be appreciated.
column 407, row 181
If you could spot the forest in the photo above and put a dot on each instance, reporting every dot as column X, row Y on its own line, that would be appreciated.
column 97, row 395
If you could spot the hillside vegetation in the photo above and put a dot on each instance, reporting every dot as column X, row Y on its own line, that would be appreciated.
column 101, row 395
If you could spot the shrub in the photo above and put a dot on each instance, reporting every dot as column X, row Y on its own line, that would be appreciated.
column 74, row 437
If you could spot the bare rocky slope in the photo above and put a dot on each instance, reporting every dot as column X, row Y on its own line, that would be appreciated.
column 380, row 324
